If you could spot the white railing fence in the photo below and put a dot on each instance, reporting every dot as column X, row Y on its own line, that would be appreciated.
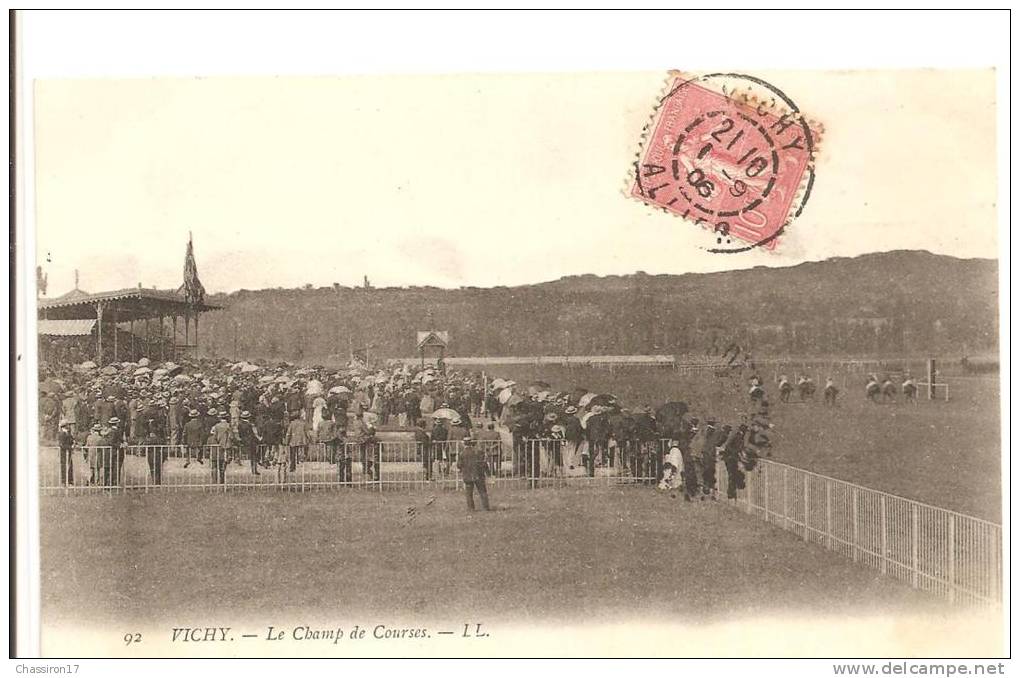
column 950, row 554
column 377, row 465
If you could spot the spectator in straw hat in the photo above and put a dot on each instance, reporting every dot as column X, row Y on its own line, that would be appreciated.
column 194, row 437
column 249, row 438
column 155, row 455
column 223, row 438
column 116, row 441
column 97, row 453
column 371, row 458
column 295, row 439
column 473, row 470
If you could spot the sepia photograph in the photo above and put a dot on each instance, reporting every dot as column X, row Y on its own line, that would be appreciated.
column 697, row 361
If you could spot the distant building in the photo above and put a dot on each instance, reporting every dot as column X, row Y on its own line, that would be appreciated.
column 432, row 345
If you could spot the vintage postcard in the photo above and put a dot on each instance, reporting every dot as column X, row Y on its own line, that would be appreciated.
column 684, row 362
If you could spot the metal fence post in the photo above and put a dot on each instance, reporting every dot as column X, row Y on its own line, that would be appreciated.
column 853, row 518
column 828, row 513
column 952, row 558
column 806, row 504
column 885, row 550
column 915, row 579
column 786, row 494
column 748, row 494
column 765, row 482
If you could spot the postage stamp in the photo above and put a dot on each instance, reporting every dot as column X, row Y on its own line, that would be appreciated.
column 730, row 153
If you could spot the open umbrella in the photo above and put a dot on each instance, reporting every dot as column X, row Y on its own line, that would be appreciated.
column 174, row 371
column 109, row 370
column 250, row 368
column 265, row 379
column 446, row 413
column 586, row 398
column 504, row 395
column 143, row 362
column 498, row 384
column 181, row 378
column 142, row 370
column 87, row 365
column 340, row 389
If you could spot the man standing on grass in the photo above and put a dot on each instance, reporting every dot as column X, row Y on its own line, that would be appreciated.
column 194, row 437
column 97, row 453
column 295, row 440
column 66, row 441
column 223, row 438
column 248, row 437
column 473, row 471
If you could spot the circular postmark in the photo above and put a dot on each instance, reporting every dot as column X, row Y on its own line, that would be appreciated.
column 732, row 153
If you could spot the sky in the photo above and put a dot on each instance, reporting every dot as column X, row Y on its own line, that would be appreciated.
column 494, row 179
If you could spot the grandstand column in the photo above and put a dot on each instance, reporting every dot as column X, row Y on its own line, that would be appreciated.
column 114, row 335
column 99, row 333
column 173, row 341
column 162, row 339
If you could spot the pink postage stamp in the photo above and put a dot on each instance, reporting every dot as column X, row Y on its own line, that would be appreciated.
column 731, row 153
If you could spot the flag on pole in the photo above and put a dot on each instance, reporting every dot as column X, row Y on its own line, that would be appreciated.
column 192, row 288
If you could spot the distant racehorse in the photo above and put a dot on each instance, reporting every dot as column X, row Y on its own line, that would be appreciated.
column 830, row 392
column 785, row 389
column 806, row 388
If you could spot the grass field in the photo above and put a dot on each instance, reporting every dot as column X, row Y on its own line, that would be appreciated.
column 946, row 454
column 571, row 554
column 574, row 554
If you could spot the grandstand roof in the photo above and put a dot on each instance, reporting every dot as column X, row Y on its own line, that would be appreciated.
column 66, row 328
column 134, row 303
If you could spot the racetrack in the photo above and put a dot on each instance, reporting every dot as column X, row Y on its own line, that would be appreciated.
column 571, row 554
